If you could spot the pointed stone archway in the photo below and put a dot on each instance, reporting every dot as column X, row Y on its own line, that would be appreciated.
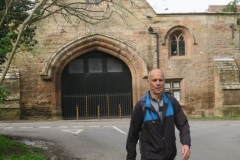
column 120, row 49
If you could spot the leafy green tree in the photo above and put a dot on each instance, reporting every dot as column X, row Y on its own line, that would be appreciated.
column 5, row 46
column 18, row 17
column 12, row 14
column 231, row 7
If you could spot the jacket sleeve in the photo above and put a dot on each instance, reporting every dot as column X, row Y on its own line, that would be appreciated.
column 134, row 130
column 182, row 124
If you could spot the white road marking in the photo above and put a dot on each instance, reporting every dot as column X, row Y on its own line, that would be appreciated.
column 77, row 126
column 74, row 131
column 7, row 128
column 119, row 130
column 26, row 127
column 61, row 127
column 44, row 127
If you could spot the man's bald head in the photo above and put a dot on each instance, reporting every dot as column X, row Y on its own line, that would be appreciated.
column 153, row 71
column 156, row 83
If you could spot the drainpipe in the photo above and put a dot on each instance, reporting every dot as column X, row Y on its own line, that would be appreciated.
column 151, row 31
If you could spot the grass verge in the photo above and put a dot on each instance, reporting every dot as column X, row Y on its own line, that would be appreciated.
column 11, row 150
column 214, row 118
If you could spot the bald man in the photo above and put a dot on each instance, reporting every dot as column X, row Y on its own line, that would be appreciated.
column 153, row 123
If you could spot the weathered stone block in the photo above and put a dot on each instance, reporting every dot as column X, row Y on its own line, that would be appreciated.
column 231, row 110
column 11, row 108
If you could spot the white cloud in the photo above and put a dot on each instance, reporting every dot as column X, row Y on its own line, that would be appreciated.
column 169, row 6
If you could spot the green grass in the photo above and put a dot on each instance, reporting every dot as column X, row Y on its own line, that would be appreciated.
column 11, row 150
column 214, row 118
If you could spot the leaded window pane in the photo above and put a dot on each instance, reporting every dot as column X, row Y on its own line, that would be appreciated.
column 177, row 45
column 113, row 65
column 167, row 85
column 181, row 38
column 76, row 66
column 95, row 65
column 176, row 84
column 176, row 94
column 174, row 48
column 182, row 48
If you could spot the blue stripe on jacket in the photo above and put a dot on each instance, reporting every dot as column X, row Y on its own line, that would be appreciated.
column 150, row 115
column 169, row 111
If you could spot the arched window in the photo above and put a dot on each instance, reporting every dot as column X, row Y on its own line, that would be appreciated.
column 177, row 45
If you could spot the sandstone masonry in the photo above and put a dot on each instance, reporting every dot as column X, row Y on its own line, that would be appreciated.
column 207, row 83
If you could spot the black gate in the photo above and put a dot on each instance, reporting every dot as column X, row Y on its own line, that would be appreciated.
column 116, row 105
column 96, row 85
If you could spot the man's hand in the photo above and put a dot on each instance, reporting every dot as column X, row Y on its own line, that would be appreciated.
column 185, row 152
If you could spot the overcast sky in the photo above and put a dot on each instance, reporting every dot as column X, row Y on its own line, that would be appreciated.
column 169, row 6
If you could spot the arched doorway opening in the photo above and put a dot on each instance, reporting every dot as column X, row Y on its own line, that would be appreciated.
column 52, row 72
column 96, row 85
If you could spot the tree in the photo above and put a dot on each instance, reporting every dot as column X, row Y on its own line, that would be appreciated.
column 12, row 15
column 231, row 7
column 19, row 16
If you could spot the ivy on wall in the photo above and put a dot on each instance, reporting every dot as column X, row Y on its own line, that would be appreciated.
column 4, row 92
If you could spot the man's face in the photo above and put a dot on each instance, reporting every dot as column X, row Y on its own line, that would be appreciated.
column 156, row 82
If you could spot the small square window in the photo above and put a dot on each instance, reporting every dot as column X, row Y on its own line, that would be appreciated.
column 113, row 65
column 176, row 94
column 167, row 85
column 76, row 66
column 95, row 65
column 176, row 84
column 173, row 87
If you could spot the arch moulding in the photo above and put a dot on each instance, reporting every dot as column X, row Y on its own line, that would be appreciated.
column 120, row 49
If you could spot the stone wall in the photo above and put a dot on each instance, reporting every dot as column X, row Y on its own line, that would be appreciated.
column 207, row 35
column 227, row 95
column 11, row 108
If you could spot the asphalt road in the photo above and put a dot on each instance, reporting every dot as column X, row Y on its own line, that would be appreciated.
column 106, row 139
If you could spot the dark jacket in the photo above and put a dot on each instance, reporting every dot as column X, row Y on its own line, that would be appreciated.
column 157, row 140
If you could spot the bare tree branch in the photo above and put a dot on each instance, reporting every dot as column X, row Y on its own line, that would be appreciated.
column 70, row 10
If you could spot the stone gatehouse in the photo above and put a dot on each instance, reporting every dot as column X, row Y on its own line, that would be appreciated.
column 199, row 53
